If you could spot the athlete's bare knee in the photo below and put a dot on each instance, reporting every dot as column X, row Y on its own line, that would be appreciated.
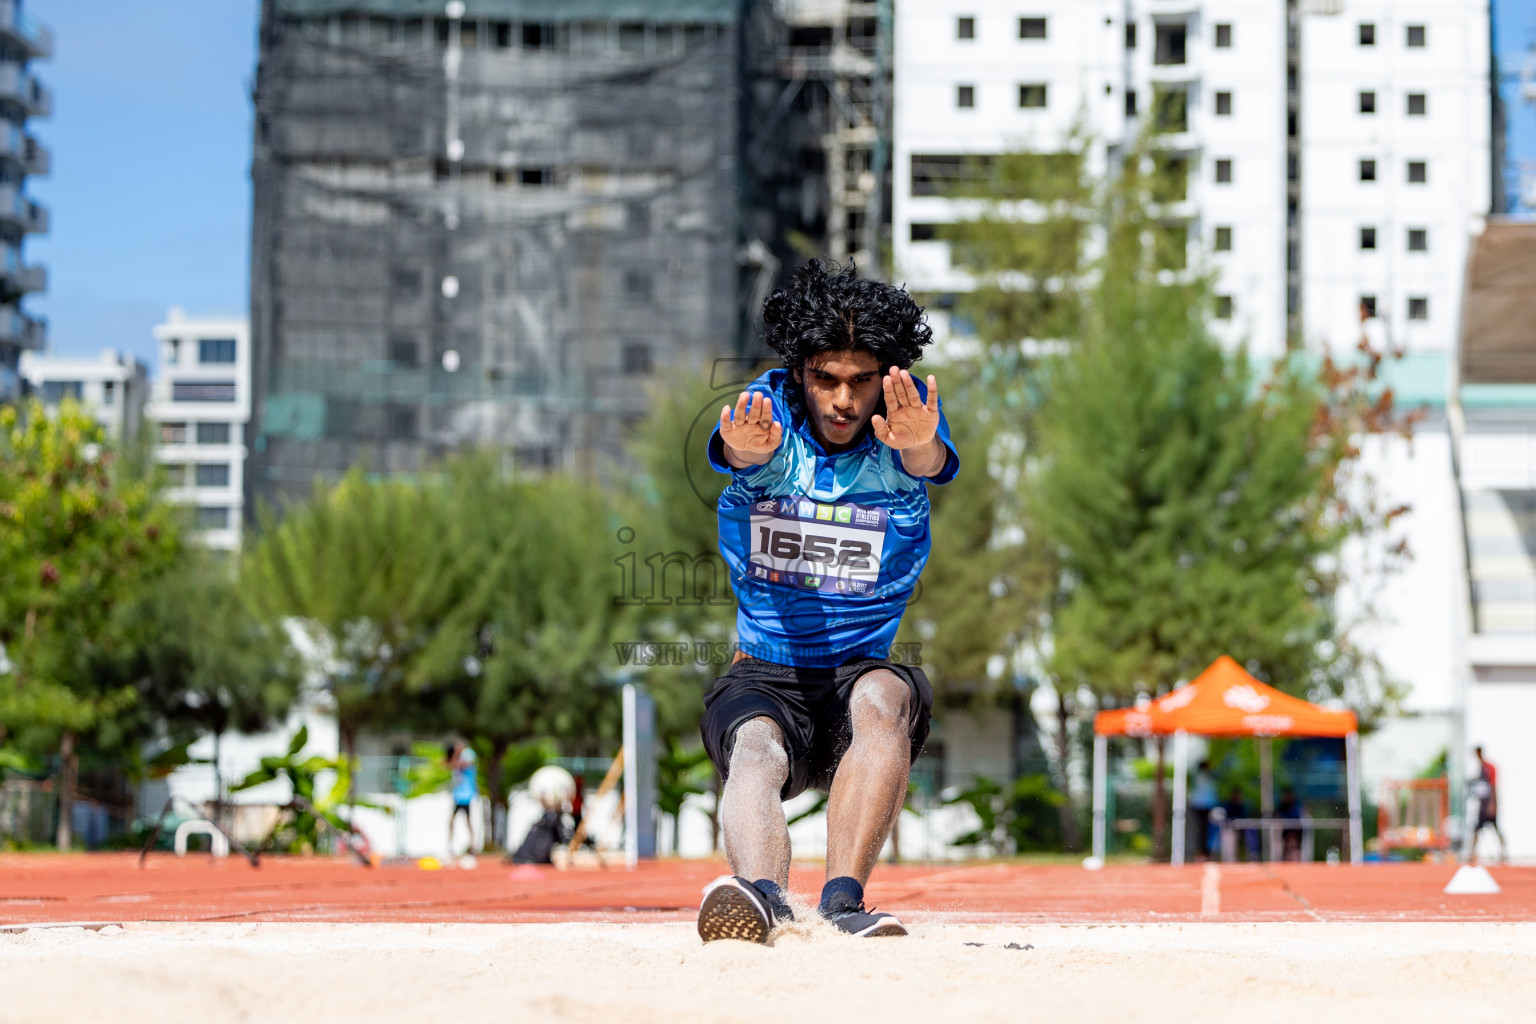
column 758, row 750
column 881, row 701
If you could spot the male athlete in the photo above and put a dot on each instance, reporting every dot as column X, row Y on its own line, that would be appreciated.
column 825, row 529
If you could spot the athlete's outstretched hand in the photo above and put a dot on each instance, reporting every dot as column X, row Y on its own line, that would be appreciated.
column 750, row 433
column 909, row 422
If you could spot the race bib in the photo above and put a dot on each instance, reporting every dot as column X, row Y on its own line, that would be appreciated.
column 811, row 545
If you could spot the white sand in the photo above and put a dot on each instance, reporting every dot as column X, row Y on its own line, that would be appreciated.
column 616, row 974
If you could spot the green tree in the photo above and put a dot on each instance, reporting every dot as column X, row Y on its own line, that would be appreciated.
column 204, row 663
column 526, row 653
column 366, row 572
column 1178, row 502
column 79, row 540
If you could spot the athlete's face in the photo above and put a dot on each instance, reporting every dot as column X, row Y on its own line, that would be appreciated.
column 842, row 391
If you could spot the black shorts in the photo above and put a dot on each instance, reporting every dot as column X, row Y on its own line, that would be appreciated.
column 810, row 705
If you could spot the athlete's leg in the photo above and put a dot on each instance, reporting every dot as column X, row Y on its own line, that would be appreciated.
column 870, row 785
column 751, row 813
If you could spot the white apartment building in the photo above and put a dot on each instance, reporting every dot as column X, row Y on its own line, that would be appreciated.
column 200, row 405
column 1340, row 160
column 113, row 386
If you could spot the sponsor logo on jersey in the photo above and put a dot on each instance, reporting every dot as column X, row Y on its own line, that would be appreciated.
column 813, row 581
column 824, row 512
column 844, row 514
column 866, row 517
column 807, row 509
column 767, row 506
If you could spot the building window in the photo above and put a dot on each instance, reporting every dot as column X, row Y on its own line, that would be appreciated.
column 1367, row 103
column 924, row 232
column 203, row 391
column 1418, row 104
column 1367, row 170
column 1367, row 307
column 173, row 433
column 404, row 352
column 1367, row 34
column 1418, row 308
column 213, row 433
column 1223, row 104
column 1223, row 307
column 400, row 422
column 55, row 391
column 1170, row 109
column 1223, row 36
column 538, row 36
column 1223, row 172
column 1032, row 95
column 173, row 352
column 1031, row 28
column 216, row 350
column 175, row 473
column 108, row 392
column 1224, row 239
column 1418, row 240
column 637, row 358
column 637, row 283
column 1130, row 35
column 1130, row 103
column 407, row 283
column 1418, row 172
column 536, row 177
column 213, row 474
column 1416, row 36
column 1367, row 238
column 965, row 96
column 965, row 28
column 1170, row 48
column 213, row 517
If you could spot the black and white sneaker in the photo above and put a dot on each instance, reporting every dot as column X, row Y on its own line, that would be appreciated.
column 855, row 920
column 734, row 909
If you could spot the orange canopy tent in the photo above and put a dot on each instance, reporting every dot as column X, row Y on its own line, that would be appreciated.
column 1224, row 700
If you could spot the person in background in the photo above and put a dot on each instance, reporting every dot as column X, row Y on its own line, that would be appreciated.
column 1486, row 788
column 1290, row 838
column 1236, row 807
column 465, row 787
column 1203, row 799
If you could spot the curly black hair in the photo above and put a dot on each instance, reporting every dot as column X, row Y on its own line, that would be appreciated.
column 824, row 307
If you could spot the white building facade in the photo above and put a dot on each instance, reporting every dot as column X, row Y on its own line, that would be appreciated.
column 1340, row 160
column 200, row 405
column 113, row 386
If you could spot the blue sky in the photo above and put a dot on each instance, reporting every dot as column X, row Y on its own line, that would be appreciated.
column 149, row 196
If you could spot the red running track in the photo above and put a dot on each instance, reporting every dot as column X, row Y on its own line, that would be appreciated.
column 109, row 887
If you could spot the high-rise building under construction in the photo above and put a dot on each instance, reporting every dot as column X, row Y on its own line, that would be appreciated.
column 491, row 222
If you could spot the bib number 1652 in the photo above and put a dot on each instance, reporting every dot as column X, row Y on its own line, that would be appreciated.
column 854, row 554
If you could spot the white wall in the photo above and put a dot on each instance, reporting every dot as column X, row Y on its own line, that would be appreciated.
column 1499, row 716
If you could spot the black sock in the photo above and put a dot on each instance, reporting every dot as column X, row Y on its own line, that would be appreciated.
column 777, row 898
column 838, row 893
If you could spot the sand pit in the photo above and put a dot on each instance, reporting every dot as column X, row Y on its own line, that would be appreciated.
column 618, row 973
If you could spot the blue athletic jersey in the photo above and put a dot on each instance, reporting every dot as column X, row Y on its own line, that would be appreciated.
column 824, row 550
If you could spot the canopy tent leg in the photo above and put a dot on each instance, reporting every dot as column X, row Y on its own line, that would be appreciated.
column 1266, row 792
column 1180, row 798
column 1352, row 770
column 1100, row 792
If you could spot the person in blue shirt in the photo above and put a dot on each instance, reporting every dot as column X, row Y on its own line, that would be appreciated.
column 824, row 528
column 465, row 786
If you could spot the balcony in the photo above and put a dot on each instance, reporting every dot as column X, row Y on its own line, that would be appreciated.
column 17, row 209
column 36, row 39
column 16, row 276
column 22, row 331
column 21, row 148
column 16, row 86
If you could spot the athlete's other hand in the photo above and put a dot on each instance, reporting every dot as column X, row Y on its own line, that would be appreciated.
column 750, row 433
column 909, row 422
